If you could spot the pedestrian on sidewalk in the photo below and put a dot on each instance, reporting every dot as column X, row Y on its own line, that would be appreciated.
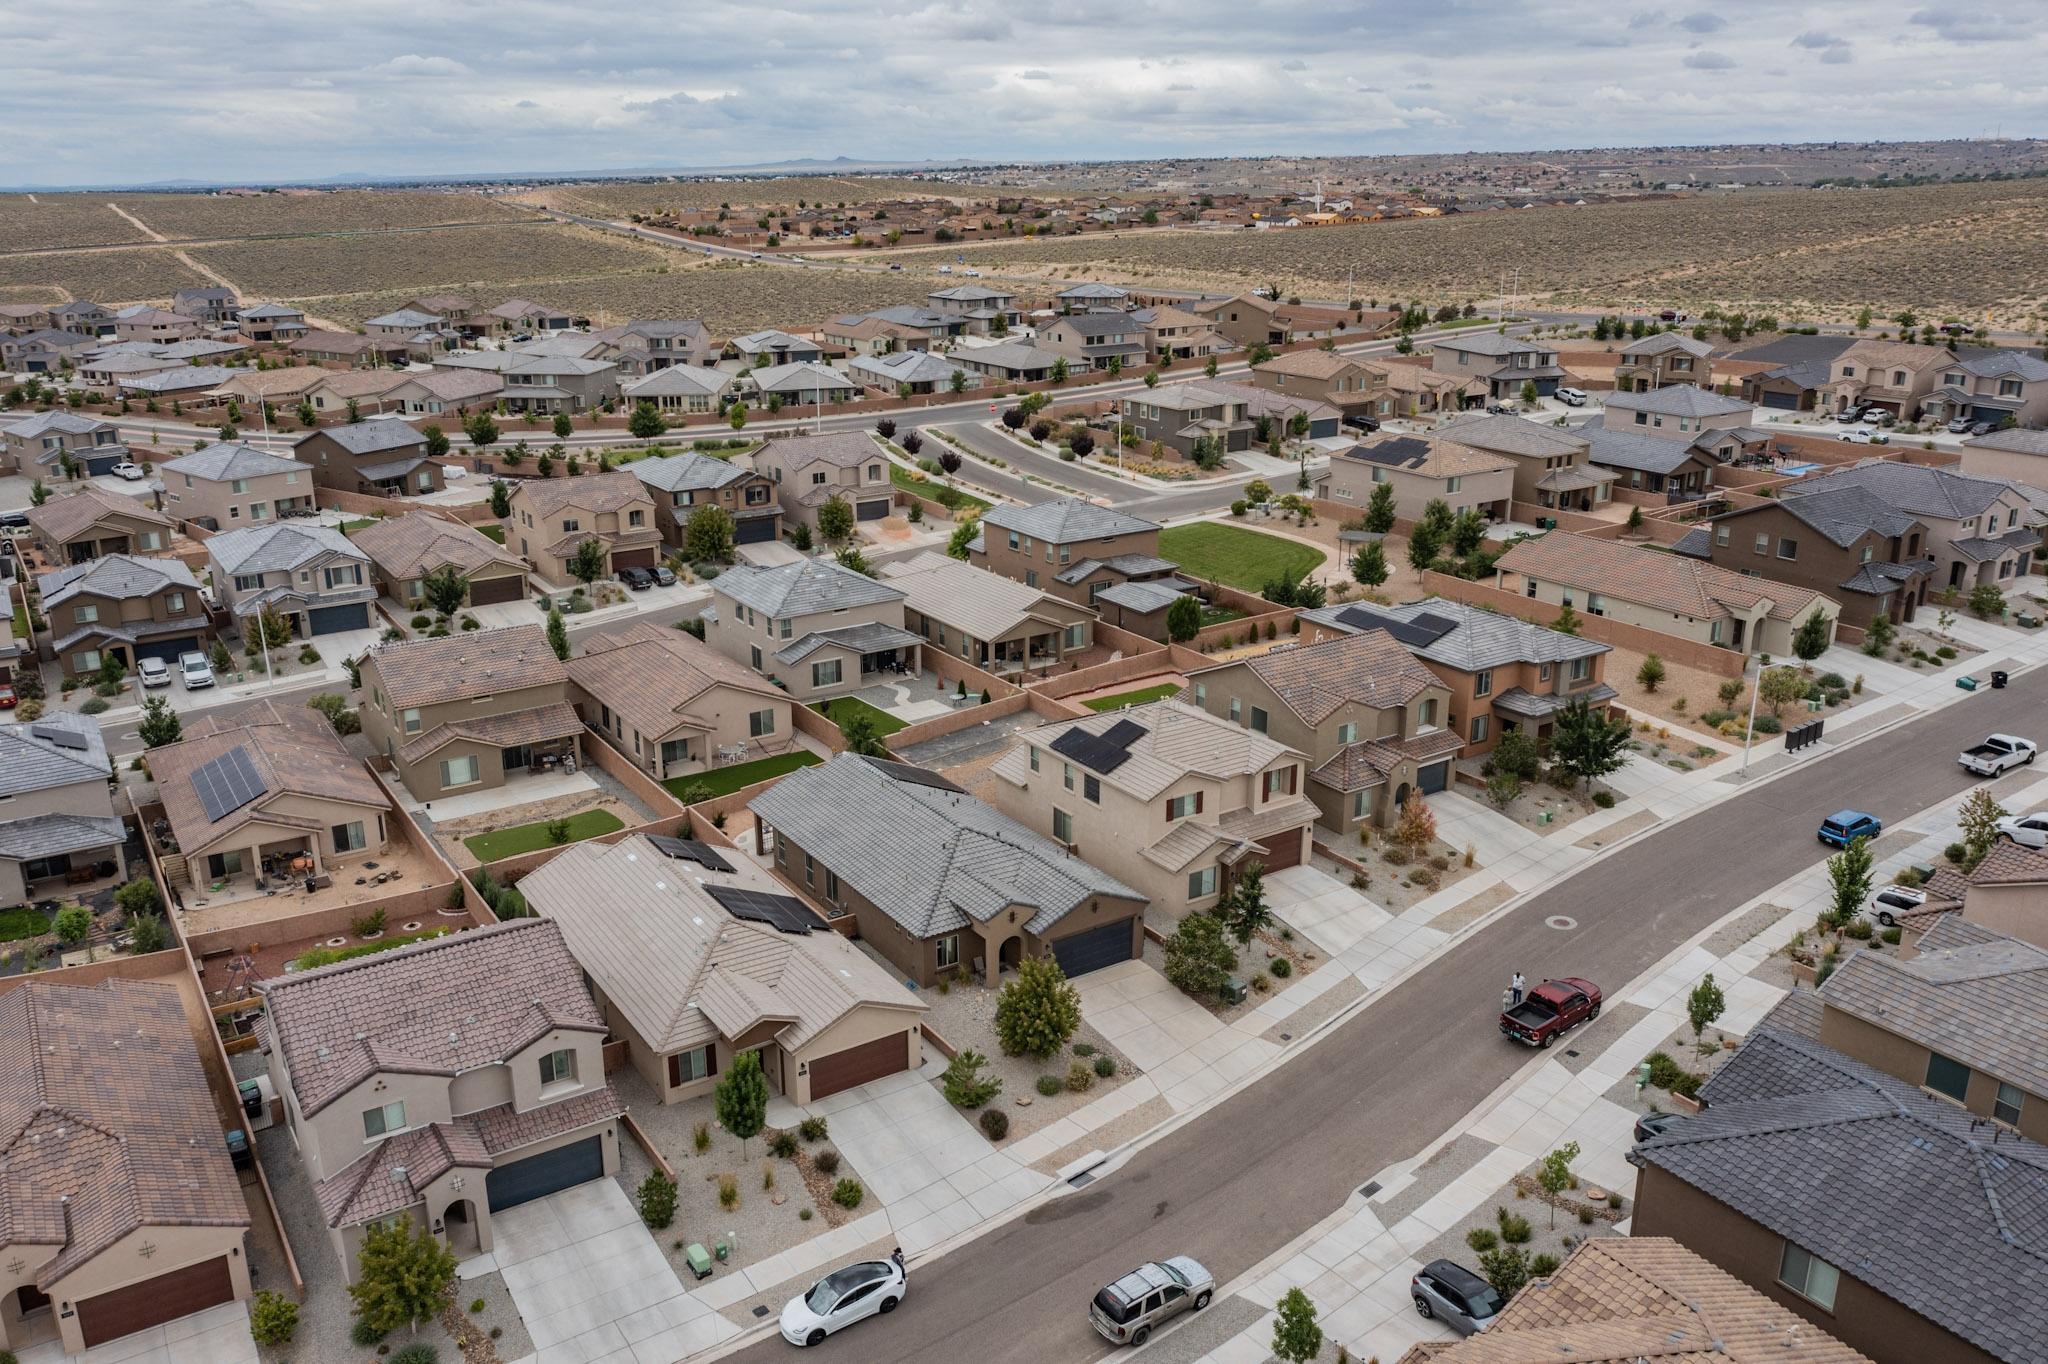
column 1516, row 985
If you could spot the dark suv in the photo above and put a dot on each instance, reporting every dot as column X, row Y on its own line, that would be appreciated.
column 639, row 579
column 1455, row 1296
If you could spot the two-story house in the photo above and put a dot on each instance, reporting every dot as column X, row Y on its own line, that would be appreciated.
column 1671, row 440
column 37, row 445
column 124, row 608
column 1553, row 467
column 57, row 815
column 810, row 471
column 1092, row 297
column 1506, row 363
column 996, row 623
column 682, row 388
column 229, row 485
column 681, row 483
column 1421, row 470
column 1164, row 797
column 1893, row 376
column 844, row 832
column 91, row 522
column 380, row 456
column 1663, row 358
column 1092, row 340
column 674, row 704
column 273, row 322
column 443, row 1082
column 2020, row 456
column 1231, row 416
column 212, row 304
column 819, row 628
column 1369, row 717
column 649, row 345
column 1069, row 547
column 548, row 384
column 312, row 575
column 143, row 323
column 1846, row 542
column 45, row 351
column 1177, row 334
column 1341, row 381
column 1246, row 321
column 771, row 347
column 1997, row 386
column 470, row 711
column 405, row 551
column 984, row 309
column 551, row 518
column 1979, row 530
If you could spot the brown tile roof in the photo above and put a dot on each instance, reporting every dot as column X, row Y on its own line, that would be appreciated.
column 1369, row 667
column 458, row 385
column 650, row 676
column 534, row 726
column 2008, row 864
column 420, row 543
column 290, row 379
column 1311, row 364
column 1889, row 355
column 440, row 1007
column 610, row 492
column 361, row 383
column 1627, row 1300
column 109, row 1122
column 62, row 518
column 1370, row 762
column 1667, row 582
column 425, row 672
column 294, row 751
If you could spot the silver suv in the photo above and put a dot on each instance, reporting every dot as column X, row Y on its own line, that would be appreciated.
column 1450, row 1293
column 1131, row 1309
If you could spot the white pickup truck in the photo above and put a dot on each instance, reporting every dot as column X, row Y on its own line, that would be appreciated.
column 1998, row 753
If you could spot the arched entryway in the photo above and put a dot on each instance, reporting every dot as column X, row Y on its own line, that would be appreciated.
column 1010, row 954
column 458, row 1224
column 1401, row 795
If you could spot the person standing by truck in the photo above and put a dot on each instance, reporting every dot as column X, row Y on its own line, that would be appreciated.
column 1516, row 986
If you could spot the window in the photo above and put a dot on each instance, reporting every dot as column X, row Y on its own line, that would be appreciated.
column 1347, row 733
column 557, row 1067
column 248, row 582
column 175, row 603
column 1788, row 548
column 2006, row 1107
column 760, row 723
column 1258, row 719
column 1201, row 693
column 685, row 1066
column 1358, row 805
column 1202, row 884
column 1091, row 790
column 458, row 771
column 86, row 615
column 349, row 837
column 782, row 628
column 1235, row 709
column 675, row 751
column 946, row 951
column 1543, row 673
column 1067, row 775
column 1482, row 682
column 381, row 1122
column 570, row 523
column 1479, row 728
column 409, row 720
column 1034, row 756
column 1454, row 485
column 810, row 870
column 1763, row 543
column 1810, row 1277
column 1947, row 1077
column 1031, row 577
column 1013, row 539
column 755, row 651
column 1426, row 714
column 636, row 517
column 874, row 473
column 1062, row 826
column 825, row 674
column 348, row 575
column 1582, row 668
column 1076, row 636
column 1182, row 807
column 818, row 476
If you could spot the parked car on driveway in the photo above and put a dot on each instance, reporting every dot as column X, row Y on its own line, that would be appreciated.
column 1551, row 1010
column 1128, row 1311
column 1850, row 414
column 129, row 470
column 843, row 1297
column 1958, row 425
column 1889, row 903
column 1877, row 416
column 663, row 575
column 1358, row 421
column 8, row 700
column 1448, row 1292
column 1572, row 397
column 1843, row 826
column 1998, row 753
column 2029, row 831
column 1983, row 428
column 639, row 579
column 1503, row 409
column 154, row 672
column 194, row 671
column 1656, row 1124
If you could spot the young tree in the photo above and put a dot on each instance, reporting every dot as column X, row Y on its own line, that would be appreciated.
column 38, row 493
column 850, row 556
column 563, row 427
column 1415, row 829
column 708, row 535
column 963, row 535
column 1296, row 1337
column 1468, row 532
column 1059, row 370
column 1436, row 516
column 1502, row 788
column 1850, row 877
column 1369, row 565
column 445, row 590
column 1423, row 546
column 1567, row 622
column 741, row 1099
column 1517, row 754
column 72, row 925
column 736, row 418
column 1587, row 743
column 949, row 459
column 1529, row 394
column 1244, row 910
column 1635, row 518
column 336, row 708
column 1811, row 640
column 546, row 466
column 1199, row 957
column 480, row 429
column 964, row 1084
column 835, row 519
column 1779, row 688
column 501, row 497
column 862, row 737
column 644, row 424
column 1555, row 1174
column 1651, row 673
column 558, row 634
column 1979, row 820
column 402, row 1273
column 437, row 441
column 1878, row 635
column 160, row 724
column 1184, row 618
column 1038, row 1009
column 1209, row 367
column 1507, row 1269
column 1704, row 1005
column 587, row 564
column 1987, row 600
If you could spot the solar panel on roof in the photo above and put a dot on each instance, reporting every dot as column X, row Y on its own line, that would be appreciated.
column 228, row 783
column 56, row 734
column 1090, row 750
column 783, row 913
column 690, row 850
column 914, row 775
column 1123, row 734
column 1421, row 632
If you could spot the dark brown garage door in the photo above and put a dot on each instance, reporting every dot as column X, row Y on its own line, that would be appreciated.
column 155, row 1301
column 858, row 1065
column 489, row 591
column 636, row 558
column 1283, row 850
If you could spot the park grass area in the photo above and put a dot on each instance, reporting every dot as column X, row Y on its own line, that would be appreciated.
column 841, row 709
column 951, row 498
column 1134, row 698
column 723, row 781
column 526, row 838
column 493, row 532
column 1240, row 558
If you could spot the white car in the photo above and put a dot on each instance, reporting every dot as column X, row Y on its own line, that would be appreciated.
column 154, row 672
column 194, row 671
column 1572, row 397
column 1859, row 436
column 972, row 274
column 2029, row 831
column 129, row 470
column 1893, row 901
column 843, row 1297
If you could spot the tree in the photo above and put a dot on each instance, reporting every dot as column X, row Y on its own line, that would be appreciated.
column 1059, row 370
column 402, row 1273
column 862, row 737
column 480, row 429
column 1651, row 673
column 1878, row 635
column 644, row 424
column 1567, row 622
column 1635, row 518
column 336, row 708
column 564, row 428
column 835, row 519
column 1038, row 1009
column 1379, row 510
column 1779, row 687
column 963, row 1083
column 1183, row 618
column 1516, row 754
column 736, row 418
column 963, row 535
column 38, row 493
column 949, row 461
column 851, row 557
column 657, row 1200
column 160, row 724
column 1811, row 640
column 1424, row 544
column 138, row 897
column 1244, row 910
column 1555, row 1174
column 1502, row 788
column 445, row 589
column 1209, row 367
column 73, row 925
column 1704, row 1005
column 437, row 441
column 1296, row 1337
column 1415, row 830
column 1468, row 532
column 1369, row 565
column 708, row 535
column 587, row 564
column 273, row 1318
column 558, row 634
column 1082, row 444
column 1850, row 876
column 501, row 497
column 1987, row 600
column 1587, row 743
column 1529, row 394
column 1199, row 957
column 1507, row 1269
column 885, row 427
column 1979, row 820
column 1260, row 355
column 741, row 1099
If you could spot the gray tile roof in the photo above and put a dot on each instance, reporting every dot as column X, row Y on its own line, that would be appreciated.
column 1510, row 435
column 31, row 762
column 2006, row 364
column 689, row 471
column 181, row 379
column 390, row 469
column 1663, row 343
column 405, row 317
column 1010, row 355
column 1094, row 291
column 1130, row 565
column 232, row 459
column 1144, row 595
column 802, row 589
column 1797, row 349
column 119, row 576
column 1065, row 521
column 56, row 419
column 1845, row 514
column 1697, row 543
column 1915, row 489
column 274, row 549
column 678, row 381
column 1099, row 324
column 1648, row 454
column 934, row 859
column 1492, row 343
column 2017, row 440
column 911, row 367
column 870, row 638
column 1479, row 639
column 1677, row 400
column 1910, row 1195
column 47, row 835
column 370, row 436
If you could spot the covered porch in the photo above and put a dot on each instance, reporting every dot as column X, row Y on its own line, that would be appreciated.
column 860, row 655
column 1576, row 488
column 1532, row 713
column 44, row 856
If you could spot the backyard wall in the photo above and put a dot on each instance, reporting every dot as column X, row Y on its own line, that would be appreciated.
column 1605, row 629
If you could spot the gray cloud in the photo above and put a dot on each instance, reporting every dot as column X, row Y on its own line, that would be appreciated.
column 1963, row 27
column 1814, row 38
column 1297, row 64
column 1034, row 75
column 1703, row 22
column 1710, row 61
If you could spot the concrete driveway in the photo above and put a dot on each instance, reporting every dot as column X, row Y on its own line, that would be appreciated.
column 591, row 1284
column 218, row 1335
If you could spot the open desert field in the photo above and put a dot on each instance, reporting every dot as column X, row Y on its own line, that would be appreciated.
column 1972, row 250
column 615, row 200
column 307, row 267
column 187, row 217
column 33, row 222
column 148, row 273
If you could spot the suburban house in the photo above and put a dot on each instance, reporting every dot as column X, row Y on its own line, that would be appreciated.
column 312, row 575
column 56, row 785
column 405, row 551
column 1095, row 340
column 212, row 304
column 812, row 470
column 1421, row 470
column 83, row 525
column 675, row 705
column 696, row 955
column 1892, row 376
column 110, row 367
column 682, row 388
column 804, row 384
column 870, row 334
column 1997, row 386
column 82, row 315
column 1164, row 797
column 918, row 371
column 1176, row 334
column 1506, row 363
column 469, row 711
column 646, row 345
column 775, row 348
column 1669, row 593
column 273, row 322
column 2020, row 456
column 124, row 608
column 551, row 518
column 1979, row 530
column 1769, row 1183
column 1246, row 321
column 1324, row 376
column 814, row 625
column 1233, row 416
column 681, row 483
column 1504, row 673
column 547, row 384
column 443, row 1082
column 346, row 350
column 284, row 386
column 271, row 793
column 133, row 1216
column 155, row 325
column 1713, row 423
column 383, row 457
column 1013, row 362
column 180, row 383
column 1069, row 546
column 46, row 351
column 231, row 484
column 1848, row 543
column 1085, row 297
column 996, row 623
column 1367, row 714
column 939, row 883
column 2005, row 893
column 1661, row 358
column 983, row 307
column 1553, row 467
column 30, row 445
column 445, row 392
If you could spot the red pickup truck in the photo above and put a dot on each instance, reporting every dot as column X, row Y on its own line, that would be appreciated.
column 1551, row 1010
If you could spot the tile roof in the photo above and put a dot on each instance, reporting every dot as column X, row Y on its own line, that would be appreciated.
column 182, row 379
column 1510, row 435
column 2006, row 364
column 983, row 604
column 931, row 857
column 372, row 435
column 62, row 518
column 1872, row 355
column 1667, row 582
column 1477, row 638
column 56, row 419
column 1009, row 355
column 419, row 543
column 109, row 1124
column 47, row 835
column 869, row 638
column 1913, row 489
column 119, row 576
column 1195, row 394
column 652, row 676
column 1178, row 740
column 2008, row 864
column 1310, row 364
column 802, row 589
column 1145, row 595
column 280, row 547
column 688, row 471
column 1370, row 762
column 840, row 449
column 678, row 381
column 440, row 1007
column 232, row 459
column 1065, row 521
column 1316, row 680
column 1845, row 513
column 467, row 663
column 615, row 491
column 294, row 751
column 800, row 378
column 32, row 761
column 1622, row 449
column 1425, row 456
column 1093, row 325
column 1678, row 400
column 911, row 367
column 2018, row 440
column 1131, row 564
column 1663, row 343
column 507, row 729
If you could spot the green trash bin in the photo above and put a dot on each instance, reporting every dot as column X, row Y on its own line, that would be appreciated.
column 699, row 1259
column 1234, row 991
column 1967, row 683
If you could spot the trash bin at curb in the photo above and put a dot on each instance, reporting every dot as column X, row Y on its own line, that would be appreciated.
column 1998, row 680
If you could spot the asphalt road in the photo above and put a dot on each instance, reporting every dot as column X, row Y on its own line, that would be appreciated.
column 1245, row 1177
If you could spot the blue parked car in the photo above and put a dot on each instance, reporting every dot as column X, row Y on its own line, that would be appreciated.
column 1844, row 825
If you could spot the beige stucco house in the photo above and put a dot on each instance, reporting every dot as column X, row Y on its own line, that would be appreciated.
column 122, row 607
column 230, row 484
column 1420, row 470
column 406, row 550
column 674, row 704
column 551, row 518
column 83, row 525
column 993, row 622
column 57, row 799
column 810, row 471
column 819, row 628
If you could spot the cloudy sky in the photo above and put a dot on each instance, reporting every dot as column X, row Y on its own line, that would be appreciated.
column 126, row 91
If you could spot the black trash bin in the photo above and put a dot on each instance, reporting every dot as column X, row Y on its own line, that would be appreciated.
column 1997, row 679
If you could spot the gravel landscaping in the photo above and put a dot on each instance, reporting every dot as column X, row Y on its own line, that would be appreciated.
column 1393, row 886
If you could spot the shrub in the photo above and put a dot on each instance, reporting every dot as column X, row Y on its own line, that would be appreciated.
column 1079, row 1077
column 1604, row 799
column 1542, row 1266
column 1768, row 724
column 93, row 706
column 1833, row 681
column 700, row 1137
column 272, row 1318
column 1614, row 1200
column 416, row 1354
column 1049, row 1085
column 1663, row 1070
column 1084, row 1049
column 1956, row 853
column 476, row 1305
column 1105, row 1066
column 1038, row 1009
column 1482, row 1239
column 811, row 1129
column 826, row 1159
column 781, row 1143
column 1585, row 1217
column 803, row 1214
column 964, row 1083
column 847, row 1193
column 1892, row 934
column 420, row 622
column 1858, row 929
column 657, row 1200
column 1687, row 1084
column 1281, row 967
column 1395, row 857
column 1514, row 1228
column 728, row 1192
column 364, row 1334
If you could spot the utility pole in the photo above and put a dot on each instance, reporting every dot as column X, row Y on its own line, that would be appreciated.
column 1749, row 732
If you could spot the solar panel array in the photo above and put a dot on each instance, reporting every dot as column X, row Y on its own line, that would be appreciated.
column 58, row 735
column 916, row 776
column 783, row 913
column 228, row 783
column 1423, row 630
column 690, row 850
column 1104, row 752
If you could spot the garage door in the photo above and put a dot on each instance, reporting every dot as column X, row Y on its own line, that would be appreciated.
column 489, row 591
column 325, row 620
column 754, row 531
column 155, row 1301
column 1095, row 949
column 636, row 558
column 857, row 1065
column 166, row 649
column 1433, row 778
column 873, row 510
column 549, row 1172
column 1788, row 402
column 1283, row 850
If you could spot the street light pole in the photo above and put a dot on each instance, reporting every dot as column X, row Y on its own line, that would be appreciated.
column 1749, row 732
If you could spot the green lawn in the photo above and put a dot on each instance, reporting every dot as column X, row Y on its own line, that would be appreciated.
column 1240, row 558
column 1220, row 615
column 348, row 527
column 22, row 922
column 844, row 708
column 316, row 957
column 493, row 531
column 21, row 621
column 528, row 838
column 723, row 781
column 932, row 490
column 1134, row 698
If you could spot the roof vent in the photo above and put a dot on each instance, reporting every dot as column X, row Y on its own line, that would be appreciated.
column 322, row 1052
column 398, row 1174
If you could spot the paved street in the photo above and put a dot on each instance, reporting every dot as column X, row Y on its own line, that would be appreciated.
column 1237, row 1182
